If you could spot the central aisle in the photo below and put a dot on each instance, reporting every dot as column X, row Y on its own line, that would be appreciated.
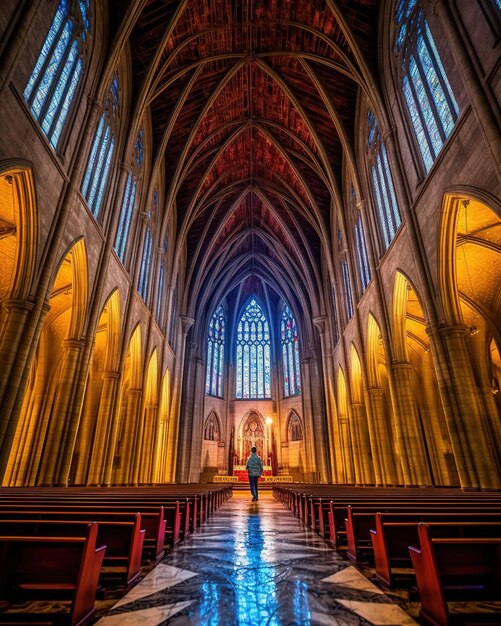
column 253, row 564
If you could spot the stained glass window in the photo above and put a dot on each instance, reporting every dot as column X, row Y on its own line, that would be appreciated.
column 59, row 67
column 348, row 294
column 215, row 354
column 382, row 181
column 161, row 282
column 129, row 200
column 432, row 108
column 101, row 154
column 335, row 322
column 363, row 263
column 290, row 354
column 144, row 273
column 253, row 359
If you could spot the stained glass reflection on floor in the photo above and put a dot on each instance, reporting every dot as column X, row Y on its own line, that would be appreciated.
column 253, row 564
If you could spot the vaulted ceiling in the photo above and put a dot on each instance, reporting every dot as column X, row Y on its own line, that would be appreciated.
column 253, row 110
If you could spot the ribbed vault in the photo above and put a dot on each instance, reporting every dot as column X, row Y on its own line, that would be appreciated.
column 252, row 105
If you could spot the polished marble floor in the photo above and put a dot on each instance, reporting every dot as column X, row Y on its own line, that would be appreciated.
column 254, row 564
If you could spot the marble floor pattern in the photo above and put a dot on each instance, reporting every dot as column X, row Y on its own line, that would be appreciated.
column 254, row 564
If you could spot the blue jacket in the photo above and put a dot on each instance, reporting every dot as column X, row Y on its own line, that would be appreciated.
column 254, row 465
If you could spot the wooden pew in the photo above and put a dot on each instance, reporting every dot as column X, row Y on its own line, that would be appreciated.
column 67, row 568
column 361, row 520
column 395, row 533
column 456, row 568
column 123, row 540
column 152, row 522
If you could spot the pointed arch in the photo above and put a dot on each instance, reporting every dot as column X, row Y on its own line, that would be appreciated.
column 356, row 378
column 374, row 346
column 212, row 427
column 18, row 229
column 295, row 430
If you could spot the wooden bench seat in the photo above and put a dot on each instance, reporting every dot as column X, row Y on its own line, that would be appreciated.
column 360, row 521
column 64, row 568
column 395, row 533
column 449, row 569
column 123, row 540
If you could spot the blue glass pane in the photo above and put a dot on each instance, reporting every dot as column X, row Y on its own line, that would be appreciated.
column 425, row 107
column 114, row 89
column 104, row 177
column 215, row 347
column 101, row 160
column 239, row 366
column 84, row 10
column 394, row 210
column 60, row 89
column 92, row 157
column 51, row 70
column 56, row 133
column 447, row 116
column 385, row 198
column 46, row 48
column 380, row 207
column 347, row 289
column 290, row 345
column 160, row 290
column 418, row 126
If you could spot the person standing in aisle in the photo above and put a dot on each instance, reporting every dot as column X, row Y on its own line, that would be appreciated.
column 255, row 468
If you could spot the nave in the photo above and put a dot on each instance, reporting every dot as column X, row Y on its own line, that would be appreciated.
column 253, row 564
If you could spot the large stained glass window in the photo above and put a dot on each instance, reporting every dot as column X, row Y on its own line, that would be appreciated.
column 432, row 108
column 290, row 354
column 348, row 294
column 382, row 181
column 129, row 200
column 101, row 154
column 59, row 67
column 253, row 368
column 215, row 354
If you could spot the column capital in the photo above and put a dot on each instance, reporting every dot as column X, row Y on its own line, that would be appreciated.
column 110, row 375
column 74, row 344
column 457, row 330
column 321, row 324
column 186, row 322
column 18, row 305
column 375, row 391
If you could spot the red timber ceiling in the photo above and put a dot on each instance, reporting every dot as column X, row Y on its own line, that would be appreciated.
column 253, row 107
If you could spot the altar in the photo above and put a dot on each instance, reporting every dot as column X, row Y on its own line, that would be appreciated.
column 240, row 472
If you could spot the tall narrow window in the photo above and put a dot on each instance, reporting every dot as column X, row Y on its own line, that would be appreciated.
column 215, row 354
column 290, row 354
column 335, row 322
column 432, row 108
column 54, row 80
column 144, row 273
column 161, row 282
column 382, row 181
column 101, row 154
column 363, row 263
column 348, row 294
column 129, row 200
column 253, row 368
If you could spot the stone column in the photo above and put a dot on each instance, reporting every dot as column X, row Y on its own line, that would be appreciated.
column 128, row 457
column 363, row 450
column 345, row 444
column 333, row 439
column 175, row 412
column 60, row 426
column 473, row 453
column 103, row 445
column 148, row 446
column 487, row 117
column 309, row 434
column 383, row 455
column 411, row 444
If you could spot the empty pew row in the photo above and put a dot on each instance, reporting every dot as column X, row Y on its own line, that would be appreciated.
column 442, row 542
column 131, row 525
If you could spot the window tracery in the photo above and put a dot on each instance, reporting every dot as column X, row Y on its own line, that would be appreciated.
column 55, row 77
column 253, row 354
column 290, row 354
column 215, row 354
column 429, row 98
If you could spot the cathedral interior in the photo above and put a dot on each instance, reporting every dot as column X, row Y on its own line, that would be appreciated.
column 237, row 223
